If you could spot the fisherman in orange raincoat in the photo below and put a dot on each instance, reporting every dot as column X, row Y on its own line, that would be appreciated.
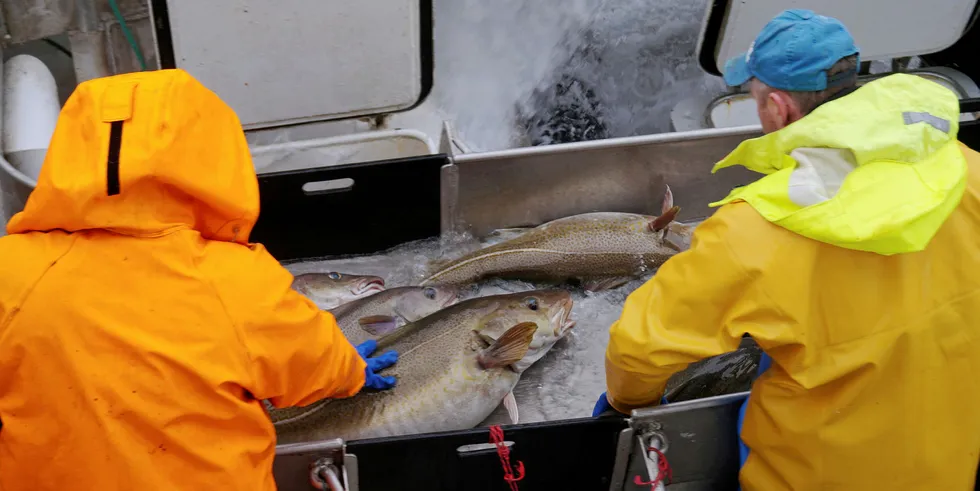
column 853, row 262
column 139, row 330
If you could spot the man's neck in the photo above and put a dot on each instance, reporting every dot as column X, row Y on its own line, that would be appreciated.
column 839, row 94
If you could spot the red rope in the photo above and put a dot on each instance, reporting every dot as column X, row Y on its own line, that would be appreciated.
column 497, row 438
column 664, row 473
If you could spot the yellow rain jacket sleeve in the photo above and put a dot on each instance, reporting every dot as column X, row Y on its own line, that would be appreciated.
column 698, row 305
column 139, row 330
column 853, row 263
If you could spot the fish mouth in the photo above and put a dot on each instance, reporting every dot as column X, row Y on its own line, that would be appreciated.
column 452, row 297
column 561, row 320
column 368, row 285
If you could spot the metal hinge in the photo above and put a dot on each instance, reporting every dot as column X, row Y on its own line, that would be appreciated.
column 324, row 474
column 326, row 466
column 652, row 440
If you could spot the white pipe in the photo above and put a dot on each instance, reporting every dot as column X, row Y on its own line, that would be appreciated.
column 4, row 214
column 12, row 171
column 30, row 112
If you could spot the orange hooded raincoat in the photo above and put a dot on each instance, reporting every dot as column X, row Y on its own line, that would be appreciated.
column 139, row 330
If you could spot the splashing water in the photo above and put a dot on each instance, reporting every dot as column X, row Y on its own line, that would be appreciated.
column 514, row 73
column 636, row 61
column 518, row 72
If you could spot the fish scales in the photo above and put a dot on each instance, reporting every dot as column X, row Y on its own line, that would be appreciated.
column 364, row 415
column 588, row 246
column 441, row 384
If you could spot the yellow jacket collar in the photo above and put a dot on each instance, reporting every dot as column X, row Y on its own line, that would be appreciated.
column 878, row 170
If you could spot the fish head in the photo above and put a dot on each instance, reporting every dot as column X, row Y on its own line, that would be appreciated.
column 416, row 302
column 680, row 234
column 329, row 290
column 548, row 309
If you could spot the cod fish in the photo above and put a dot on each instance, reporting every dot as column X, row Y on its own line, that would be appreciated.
column 454, row 368
column 330, row 290
column 600, row 250
column 379, row 314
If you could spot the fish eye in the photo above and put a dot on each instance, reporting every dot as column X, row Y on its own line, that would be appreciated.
column 531, row 303
column 334, row 276
column 429, row 293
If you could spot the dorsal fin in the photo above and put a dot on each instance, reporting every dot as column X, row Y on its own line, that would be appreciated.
column 668, row 201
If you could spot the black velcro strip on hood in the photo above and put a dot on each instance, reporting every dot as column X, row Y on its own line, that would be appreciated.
column 112, row 163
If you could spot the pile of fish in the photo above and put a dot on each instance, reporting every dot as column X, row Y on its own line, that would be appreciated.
column 459, row 360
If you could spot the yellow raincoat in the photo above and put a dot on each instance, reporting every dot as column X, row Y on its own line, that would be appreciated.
column 139, row 330
column 854, row 263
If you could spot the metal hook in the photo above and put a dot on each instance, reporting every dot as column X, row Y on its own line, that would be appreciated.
column 323, row 476
column 656, row 439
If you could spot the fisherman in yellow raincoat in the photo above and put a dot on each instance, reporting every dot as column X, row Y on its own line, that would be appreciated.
column 139, row 329
column 854, row 263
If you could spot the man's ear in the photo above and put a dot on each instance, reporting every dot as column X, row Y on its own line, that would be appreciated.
column 782, row 108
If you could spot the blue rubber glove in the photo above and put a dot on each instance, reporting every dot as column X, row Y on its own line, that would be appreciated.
column 375, row 364
column 601, row 406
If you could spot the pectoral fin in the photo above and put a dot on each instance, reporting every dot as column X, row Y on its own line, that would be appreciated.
column 661, row 222
column 510, row 348
column 378, row 325
column 510, row 403
column 600, row 284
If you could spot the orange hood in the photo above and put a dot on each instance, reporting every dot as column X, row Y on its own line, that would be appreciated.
column 145, row 154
